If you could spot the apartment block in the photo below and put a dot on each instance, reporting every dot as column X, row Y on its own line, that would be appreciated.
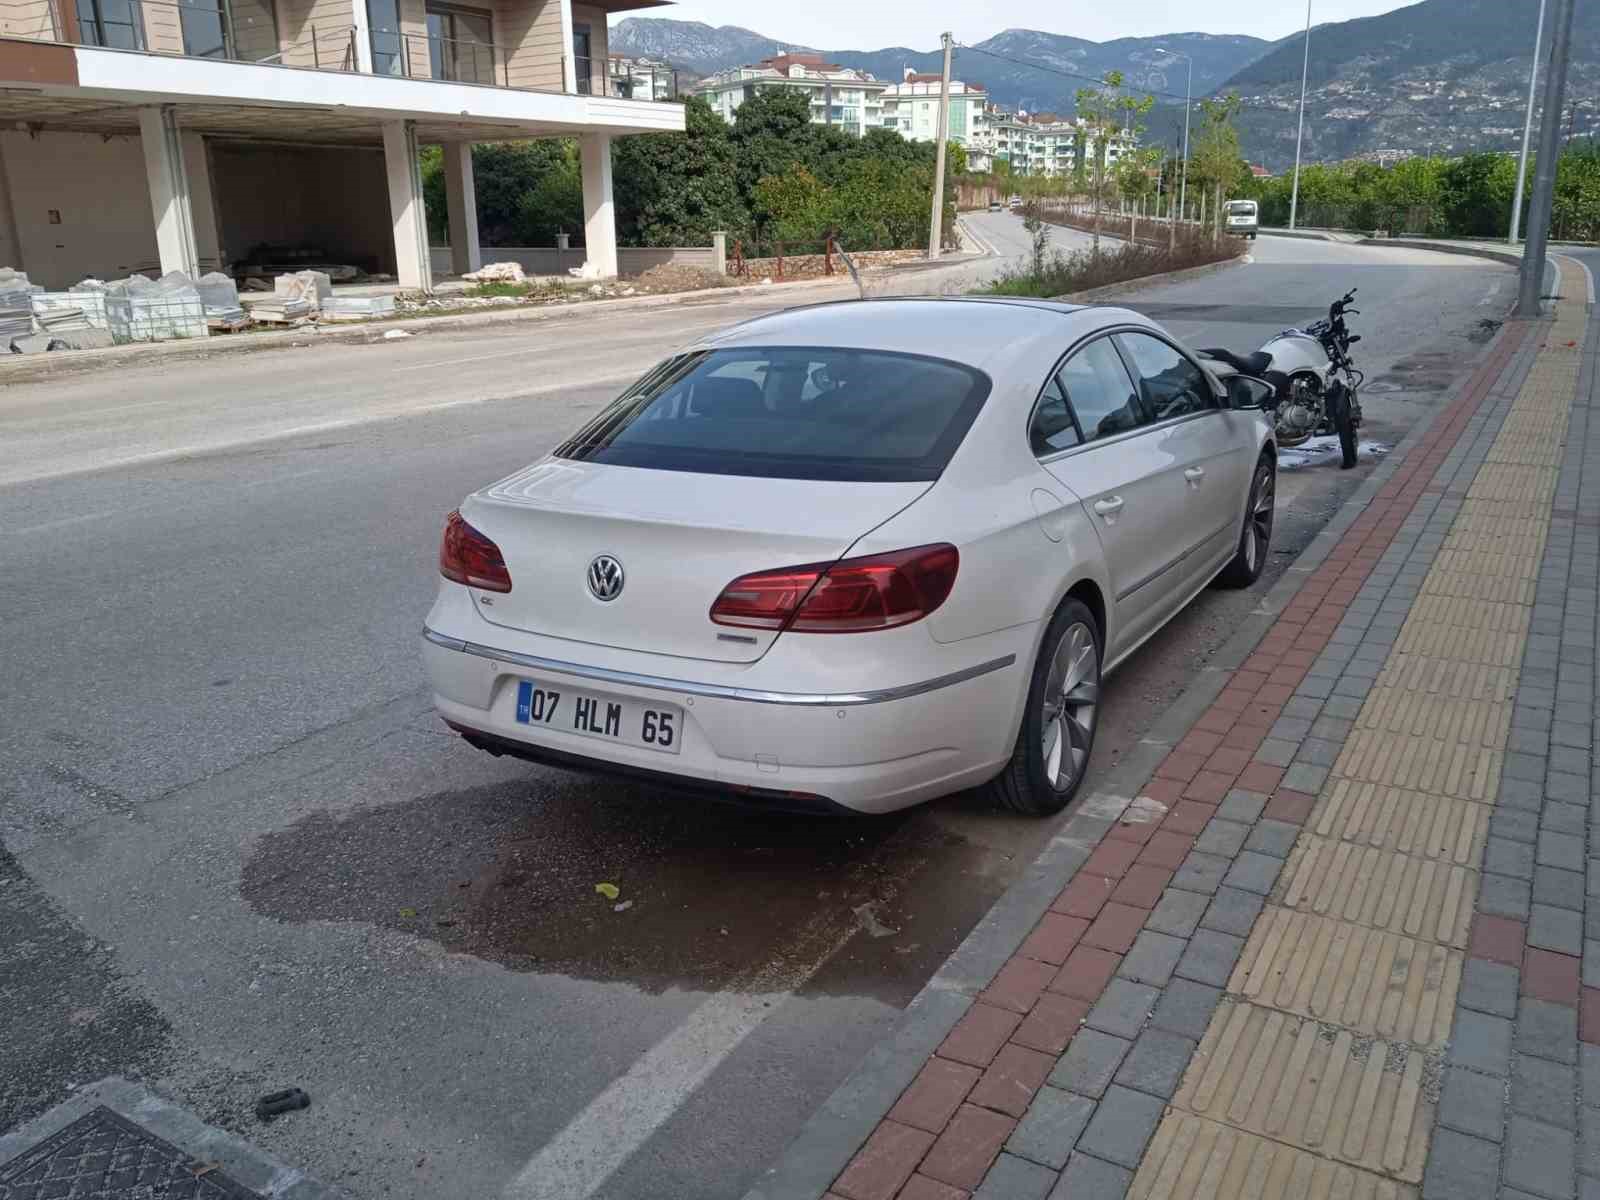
column 842, row 96
column 154, row 135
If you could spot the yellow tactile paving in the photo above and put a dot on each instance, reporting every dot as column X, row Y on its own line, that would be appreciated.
column 1418, row 824
column 1499, row 481
column 1357, row 1099
column 1495, row 647
column 1480, row 587
column 1470, row 722
column 1420, row 764
column 1445, row 677
column 1380, row 889
column 1310, row 1080
column 1367, row 980
column 1511, row 564
column 1191, row 1158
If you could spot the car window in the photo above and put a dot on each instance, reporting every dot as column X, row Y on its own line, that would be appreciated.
column 1172, row 385
column 1100, row 392
column 1053, row 428
column 791, row 413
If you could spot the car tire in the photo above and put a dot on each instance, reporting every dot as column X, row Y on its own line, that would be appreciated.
column 1056, row 740
column 1255, row 539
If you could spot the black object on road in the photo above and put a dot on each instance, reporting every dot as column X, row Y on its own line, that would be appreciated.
column 275, row 1104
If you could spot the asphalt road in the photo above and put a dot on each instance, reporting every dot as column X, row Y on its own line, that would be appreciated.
column 237, row 852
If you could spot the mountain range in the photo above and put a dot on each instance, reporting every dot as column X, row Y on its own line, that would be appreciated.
column 1442, row 75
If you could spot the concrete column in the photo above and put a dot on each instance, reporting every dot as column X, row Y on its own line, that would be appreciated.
column 599, row 213
column 168, row 177
column 406, row 207
column 719, row 250
column 461, row 199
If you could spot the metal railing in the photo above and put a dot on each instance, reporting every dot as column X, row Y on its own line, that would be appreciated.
column 242, row 31
column 425, row 56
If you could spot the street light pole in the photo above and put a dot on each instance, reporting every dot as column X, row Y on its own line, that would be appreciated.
column 1544, row 177
column 1188, row 103
column 936, row 224
column 1305, row 73
column 1527, row 129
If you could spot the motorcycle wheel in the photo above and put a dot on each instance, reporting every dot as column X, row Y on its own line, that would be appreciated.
column 1345, row 426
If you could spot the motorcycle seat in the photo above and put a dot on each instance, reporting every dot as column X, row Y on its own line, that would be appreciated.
column 1254, row 363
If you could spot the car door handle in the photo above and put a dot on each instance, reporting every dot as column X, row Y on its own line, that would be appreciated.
column 1109, row 506
column 1194, row 474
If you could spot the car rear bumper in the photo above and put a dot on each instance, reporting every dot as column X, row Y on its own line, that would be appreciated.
column 868, row 751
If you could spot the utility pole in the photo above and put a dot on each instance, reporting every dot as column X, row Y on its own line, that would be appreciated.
column 936, row 222
column 1188, row 103
column 1305, row 74
column 1527, row 128
column 1544, row 179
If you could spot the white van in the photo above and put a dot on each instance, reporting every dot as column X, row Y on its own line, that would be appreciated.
column 1242, row 218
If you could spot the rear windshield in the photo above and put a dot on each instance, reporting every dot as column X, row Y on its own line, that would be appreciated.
column 790, row 413
column 1242, row 208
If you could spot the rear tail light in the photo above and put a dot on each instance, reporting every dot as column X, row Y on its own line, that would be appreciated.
column 849, row 596
column 467, row 556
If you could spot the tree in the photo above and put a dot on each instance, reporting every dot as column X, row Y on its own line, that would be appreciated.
column 503, row 173
column 793, row 206
column 1216, row 150
column 677, row 189
column 1110, row 115
column 554, row 204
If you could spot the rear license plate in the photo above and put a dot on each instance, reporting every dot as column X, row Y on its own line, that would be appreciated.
column 605, row 718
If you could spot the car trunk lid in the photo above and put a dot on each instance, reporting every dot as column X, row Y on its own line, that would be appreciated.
column 679, row 539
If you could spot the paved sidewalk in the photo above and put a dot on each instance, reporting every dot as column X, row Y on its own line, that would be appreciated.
column 1336, row 945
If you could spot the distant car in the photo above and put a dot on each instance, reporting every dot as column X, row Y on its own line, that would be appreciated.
column 1242, row 217
column 996, row 206
column 1016, row 202
column 854, row 556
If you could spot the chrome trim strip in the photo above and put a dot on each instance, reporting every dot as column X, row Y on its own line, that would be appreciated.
column 1160, row 571
column 718, row 691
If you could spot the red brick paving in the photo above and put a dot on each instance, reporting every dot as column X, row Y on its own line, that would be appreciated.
column 1018, row 984
column 1085, row 896
column 1011, row 1080
column 1051, row 1023
column 1086, row 973
column 1550, row 976
column 1589, row 1016
column 1499, row 939
column 1213, row 757
column 1054, row 937
column 1116, row 927
column 1142, row 886
column 978, row 1036
column 967, row 1147
column 935, row 1094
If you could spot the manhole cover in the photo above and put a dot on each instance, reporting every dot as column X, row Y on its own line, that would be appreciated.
column 103, row 1156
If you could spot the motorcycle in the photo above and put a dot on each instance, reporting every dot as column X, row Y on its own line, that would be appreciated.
column 1315, row 384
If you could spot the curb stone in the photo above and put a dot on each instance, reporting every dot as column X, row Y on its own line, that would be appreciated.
column 247, row 1164
column 831, row 1137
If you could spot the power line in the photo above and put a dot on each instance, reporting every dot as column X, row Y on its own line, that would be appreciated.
column 1065, row 74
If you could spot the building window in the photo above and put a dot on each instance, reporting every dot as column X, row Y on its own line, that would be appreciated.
column 113, row 23
column 204, row 28
column 460, row 44
column 388, row 57
column 582, row 55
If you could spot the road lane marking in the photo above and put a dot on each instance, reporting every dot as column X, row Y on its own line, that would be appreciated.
column 577, row 1162
column 1488, row 297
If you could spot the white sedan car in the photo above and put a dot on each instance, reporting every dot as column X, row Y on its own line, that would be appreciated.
column 854, row 556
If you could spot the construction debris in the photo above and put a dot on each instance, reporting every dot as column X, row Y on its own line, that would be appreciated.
column 311, row 286
column 499, row 272
column 357, row 308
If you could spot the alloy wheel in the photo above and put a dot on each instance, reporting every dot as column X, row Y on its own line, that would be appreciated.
column 1071, row 703
column 1258, row 533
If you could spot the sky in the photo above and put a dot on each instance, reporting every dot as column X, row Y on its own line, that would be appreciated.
column 853, row 25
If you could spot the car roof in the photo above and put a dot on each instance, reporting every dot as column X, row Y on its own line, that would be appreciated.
column 969, row 329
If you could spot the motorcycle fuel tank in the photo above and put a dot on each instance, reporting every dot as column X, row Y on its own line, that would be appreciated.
column 1293, row 352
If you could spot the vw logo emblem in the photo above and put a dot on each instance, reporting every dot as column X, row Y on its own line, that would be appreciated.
column 605, row 578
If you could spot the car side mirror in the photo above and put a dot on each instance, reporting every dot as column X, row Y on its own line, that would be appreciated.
column 1247, row 393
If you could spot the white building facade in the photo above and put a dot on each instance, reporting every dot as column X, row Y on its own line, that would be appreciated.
column 153, row 136
column 841, row 96
column 1049, row 146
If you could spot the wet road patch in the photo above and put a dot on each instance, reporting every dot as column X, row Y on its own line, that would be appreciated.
column 707, row 896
